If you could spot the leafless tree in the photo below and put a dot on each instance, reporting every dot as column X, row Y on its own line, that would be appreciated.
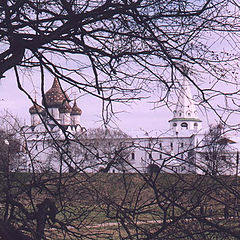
column 218, row 155
column 107, row 149
column 11, row 148
column 121, row 51
column 47, row 205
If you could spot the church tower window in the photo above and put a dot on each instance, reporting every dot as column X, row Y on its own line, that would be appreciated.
column 184, row 125
column 185, row 109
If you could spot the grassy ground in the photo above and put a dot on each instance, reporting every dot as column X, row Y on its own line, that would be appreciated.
column 117, row 206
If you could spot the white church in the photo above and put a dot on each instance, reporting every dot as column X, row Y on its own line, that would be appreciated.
column 181, row 151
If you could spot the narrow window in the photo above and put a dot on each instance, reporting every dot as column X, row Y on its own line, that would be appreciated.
column 133, row 156
column 184, row 125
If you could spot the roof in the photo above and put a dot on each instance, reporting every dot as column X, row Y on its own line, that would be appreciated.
column 185, row 107
column 35, row 108
column 54, row 97
column 65, row 107
column 186, row 119
column 75, row 109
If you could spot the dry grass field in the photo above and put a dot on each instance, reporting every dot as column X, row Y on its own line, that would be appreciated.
column 127, row 206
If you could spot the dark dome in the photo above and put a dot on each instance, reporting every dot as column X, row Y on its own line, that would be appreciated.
column 65, row 107
column 75, row 109
column 54, row 96
column 35, row 109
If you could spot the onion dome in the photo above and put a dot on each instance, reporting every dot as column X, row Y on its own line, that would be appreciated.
column 55, row 96
column 75, row 109
column 65, row 107
column 35, row 109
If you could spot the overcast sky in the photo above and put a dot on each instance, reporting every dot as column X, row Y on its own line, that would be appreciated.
column 134, row 119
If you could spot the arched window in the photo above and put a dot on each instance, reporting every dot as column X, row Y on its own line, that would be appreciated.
column 184, row 125
column 180, row 113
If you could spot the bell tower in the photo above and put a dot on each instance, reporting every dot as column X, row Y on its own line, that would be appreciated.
column 185, row 117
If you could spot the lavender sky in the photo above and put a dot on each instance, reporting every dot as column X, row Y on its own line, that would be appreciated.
column 135, row 119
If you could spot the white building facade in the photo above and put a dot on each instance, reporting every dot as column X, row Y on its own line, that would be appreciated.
column 51, row 124
column 181, row 151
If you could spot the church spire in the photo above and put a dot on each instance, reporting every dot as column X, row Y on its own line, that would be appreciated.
column 185, row 107
column 185, row 117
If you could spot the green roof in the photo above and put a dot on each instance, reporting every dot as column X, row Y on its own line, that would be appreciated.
column 185, row 119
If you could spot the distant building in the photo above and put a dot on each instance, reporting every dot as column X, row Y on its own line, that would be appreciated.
column 176, row 151
column 55, row 118
column 57, row 103
column 185, row 149
column 181, row 151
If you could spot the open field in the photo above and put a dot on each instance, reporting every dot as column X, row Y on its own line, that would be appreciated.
column 125, row 206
